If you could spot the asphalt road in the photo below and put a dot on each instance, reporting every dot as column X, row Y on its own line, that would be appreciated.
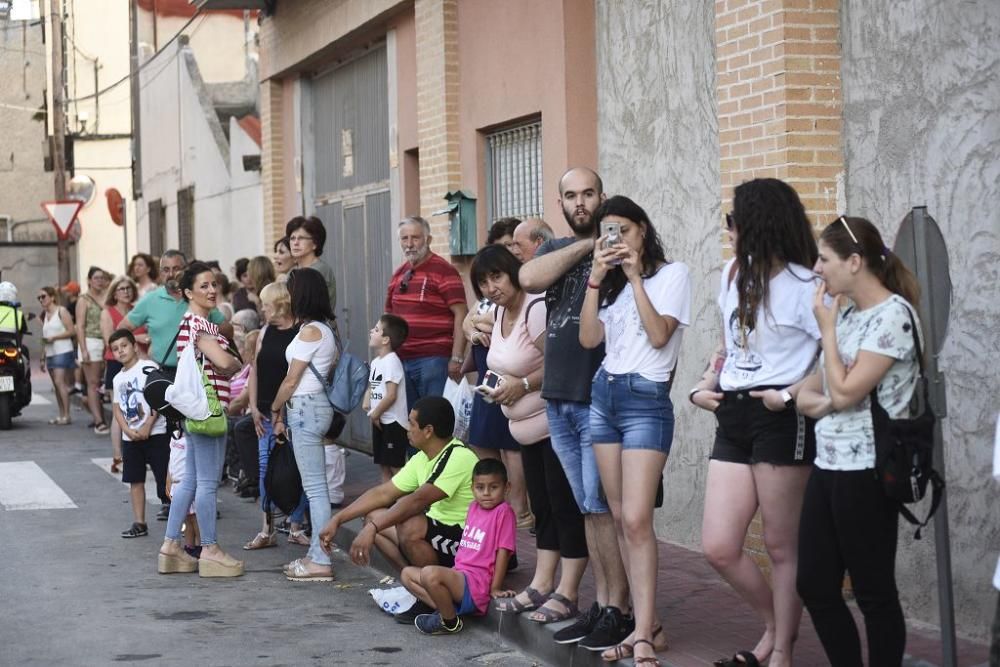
column 73, row 592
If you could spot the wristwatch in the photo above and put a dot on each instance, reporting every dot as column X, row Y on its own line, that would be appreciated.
column 787, row 397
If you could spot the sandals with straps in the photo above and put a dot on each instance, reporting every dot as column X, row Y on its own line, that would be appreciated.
column 626, row 650
column 513, row 605
column 645, row 660
column 549, row 615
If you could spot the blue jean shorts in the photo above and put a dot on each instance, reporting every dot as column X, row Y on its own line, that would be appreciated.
column 569, row 430
column 631, row 410
column 64, row 360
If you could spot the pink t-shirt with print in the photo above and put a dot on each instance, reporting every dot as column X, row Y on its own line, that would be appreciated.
column 485, row 532
column 515, row 354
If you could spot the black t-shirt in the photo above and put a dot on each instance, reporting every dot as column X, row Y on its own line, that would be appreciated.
column 569, row 368
column 271, row 365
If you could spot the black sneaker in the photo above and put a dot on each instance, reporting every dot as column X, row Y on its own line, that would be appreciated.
column 583, row 626
column 610, row 630
column 164, row 512
column 137, row 530
column 409, row 616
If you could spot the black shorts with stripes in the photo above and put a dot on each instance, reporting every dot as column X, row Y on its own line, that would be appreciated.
column 444, row 539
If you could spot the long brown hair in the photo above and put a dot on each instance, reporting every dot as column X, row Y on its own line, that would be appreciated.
column 881, row 261
column 771, row 227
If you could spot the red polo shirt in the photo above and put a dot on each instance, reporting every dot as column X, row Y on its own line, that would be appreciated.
column 432, row 287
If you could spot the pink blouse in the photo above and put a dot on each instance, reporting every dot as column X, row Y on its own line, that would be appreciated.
column 517, row 355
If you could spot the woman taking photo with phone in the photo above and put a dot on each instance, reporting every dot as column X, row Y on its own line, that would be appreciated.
column 764, row 446
column 515, row 358
column 637, row 304
column 848, row 523
column 204, row 454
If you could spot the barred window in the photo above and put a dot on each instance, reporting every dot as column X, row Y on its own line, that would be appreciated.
column 185, row 221
column 157, row 227
column 514, row 172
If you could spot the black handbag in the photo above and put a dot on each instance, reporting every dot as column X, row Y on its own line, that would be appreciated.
column 282, row 482
column 155, row 389
column 904, row 448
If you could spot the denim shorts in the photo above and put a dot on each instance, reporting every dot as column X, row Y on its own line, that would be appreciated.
column 631, row 410
column 65, row 360
column 569, row 431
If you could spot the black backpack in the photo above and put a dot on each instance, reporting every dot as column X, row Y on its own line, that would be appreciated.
column 282, row 482
column 904, row 448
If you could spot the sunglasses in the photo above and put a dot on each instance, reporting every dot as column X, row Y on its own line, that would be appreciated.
column 42, row 297
column 405, row 283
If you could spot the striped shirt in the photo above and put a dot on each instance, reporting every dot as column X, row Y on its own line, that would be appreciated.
column 193, row 326
column 431, row 288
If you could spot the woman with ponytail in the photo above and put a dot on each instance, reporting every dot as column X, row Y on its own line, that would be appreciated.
column 848, row 523
column 764, row 446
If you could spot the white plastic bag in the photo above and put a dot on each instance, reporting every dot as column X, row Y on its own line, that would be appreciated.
column 187, row 393
column 392, row 600
column 460, row 395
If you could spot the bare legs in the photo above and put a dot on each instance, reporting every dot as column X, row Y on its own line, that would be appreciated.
column 630, row 479
column 732, row 495
column 92, row 374
column 61, row 378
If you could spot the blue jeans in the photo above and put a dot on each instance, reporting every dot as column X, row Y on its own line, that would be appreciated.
column 309, row 417
column 630, row 410
column 425, row 376
column 569, row 429
column 202, row 471
column 264, row 447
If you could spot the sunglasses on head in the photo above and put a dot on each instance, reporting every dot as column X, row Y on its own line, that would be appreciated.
column 405, row 283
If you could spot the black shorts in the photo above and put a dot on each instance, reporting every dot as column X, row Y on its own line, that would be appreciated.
column 444, row 539
column 135, row 455
column 389, row 445
column 111, row 369
column 749, row 433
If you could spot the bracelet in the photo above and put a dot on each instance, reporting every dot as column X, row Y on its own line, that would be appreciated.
column 591, row 285
column 692, row 393
column 527, row 385
column 367, row 520
column 457, row 360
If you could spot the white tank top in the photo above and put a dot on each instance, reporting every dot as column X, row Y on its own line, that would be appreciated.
column 53, row 326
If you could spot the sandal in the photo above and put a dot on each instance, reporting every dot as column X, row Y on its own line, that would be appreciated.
column 626, row 650
column 749, row 660
column 261, row 540
column 550, row 615
column 515, row 606
column 298, row 572
column 102, row 429
column 646, row 660
column 298, row 537
column 137, row 530
column 114, row 465
column 526, row 520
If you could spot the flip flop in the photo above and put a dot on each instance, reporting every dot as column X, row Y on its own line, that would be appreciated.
column 514, row 605
column 749, row 660
column 550, row 615
column 298, row 572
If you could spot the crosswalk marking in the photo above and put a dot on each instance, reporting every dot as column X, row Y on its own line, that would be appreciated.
column 105, row 465
column 25, row 486
column 38, row 399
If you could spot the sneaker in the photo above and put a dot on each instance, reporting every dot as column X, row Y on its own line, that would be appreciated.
column 432, row 624
column 583, row 626
column 409, row 616
column 137, row 530
column 610, row 630
column 164, row 512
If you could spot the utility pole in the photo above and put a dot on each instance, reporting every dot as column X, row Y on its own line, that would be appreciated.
column 59, row 129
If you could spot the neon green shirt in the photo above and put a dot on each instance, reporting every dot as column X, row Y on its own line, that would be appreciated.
column 450, row 471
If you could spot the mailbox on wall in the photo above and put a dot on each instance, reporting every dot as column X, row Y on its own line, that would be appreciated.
column 461, row 210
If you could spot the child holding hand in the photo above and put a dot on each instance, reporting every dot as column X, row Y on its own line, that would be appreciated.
column 488, row 542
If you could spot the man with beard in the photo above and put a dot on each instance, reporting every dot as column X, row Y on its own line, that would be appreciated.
column 427, row 292
column 561, row 267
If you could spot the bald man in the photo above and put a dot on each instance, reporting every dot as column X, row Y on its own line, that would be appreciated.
column 527, row 236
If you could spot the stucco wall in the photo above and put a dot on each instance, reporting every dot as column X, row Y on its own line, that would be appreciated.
column 921, row 85
column 658, row 144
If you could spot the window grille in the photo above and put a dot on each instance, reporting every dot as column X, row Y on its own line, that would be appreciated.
column 514, row 172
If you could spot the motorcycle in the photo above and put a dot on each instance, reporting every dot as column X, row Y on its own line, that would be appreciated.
column 15, row 369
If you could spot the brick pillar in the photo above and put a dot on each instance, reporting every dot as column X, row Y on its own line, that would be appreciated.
column 272, row 162
column 779, row 104
column 437, row 109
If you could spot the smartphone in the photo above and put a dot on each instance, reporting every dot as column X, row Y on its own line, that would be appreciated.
column 490, row 382
column 612, row 231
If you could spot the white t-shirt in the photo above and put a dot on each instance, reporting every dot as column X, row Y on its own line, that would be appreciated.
column 127, row 386
column 845, row 440
column 388, row 369
column 319, row 352
column 782, row 347
column 626, row 345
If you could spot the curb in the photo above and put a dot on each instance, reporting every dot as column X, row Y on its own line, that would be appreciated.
column 513, row 629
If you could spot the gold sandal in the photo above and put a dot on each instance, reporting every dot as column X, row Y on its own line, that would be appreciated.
column 261, row 540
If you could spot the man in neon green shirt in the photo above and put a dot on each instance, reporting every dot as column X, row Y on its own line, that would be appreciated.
column 417, row 517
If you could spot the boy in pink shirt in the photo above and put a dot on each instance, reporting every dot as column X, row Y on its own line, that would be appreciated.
column 488, row 542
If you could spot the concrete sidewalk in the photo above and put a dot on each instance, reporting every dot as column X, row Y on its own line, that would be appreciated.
column 703, row 618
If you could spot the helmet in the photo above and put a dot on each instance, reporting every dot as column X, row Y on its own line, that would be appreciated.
column 7, row 291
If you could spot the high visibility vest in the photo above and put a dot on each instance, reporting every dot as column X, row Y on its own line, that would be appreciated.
column 11, row 319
